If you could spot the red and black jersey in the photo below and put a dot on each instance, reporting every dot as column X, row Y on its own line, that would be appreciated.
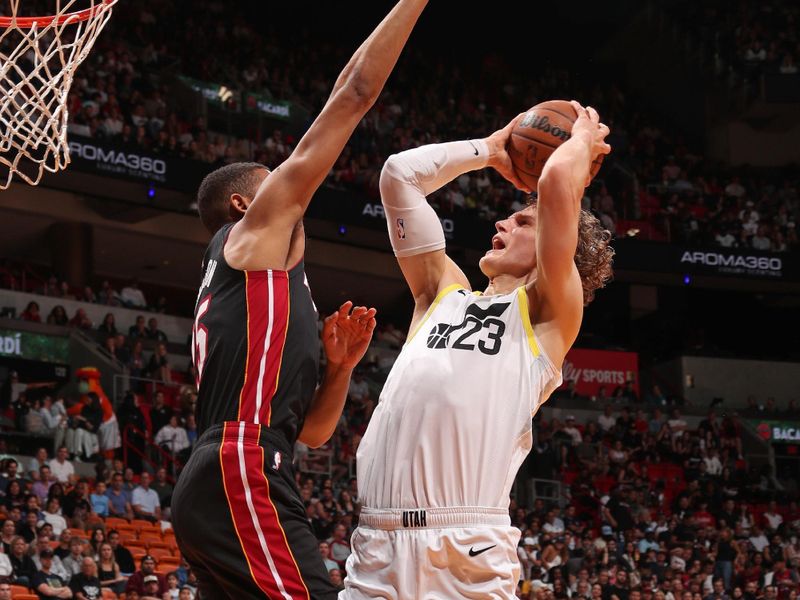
column 255, row 345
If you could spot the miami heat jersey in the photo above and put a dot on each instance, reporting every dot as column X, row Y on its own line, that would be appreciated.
column 453, row 423
column 255, row 344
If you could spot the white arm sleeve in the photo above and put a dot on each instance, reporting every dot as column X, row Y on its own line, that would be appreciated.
column 409, row 176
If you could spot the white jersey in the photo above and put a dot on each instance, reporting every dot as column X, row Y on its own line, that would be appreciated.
column 453, row 423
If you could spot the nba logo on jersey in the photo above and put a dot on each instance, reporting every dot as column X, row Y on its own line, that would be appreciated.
column 401, row 230
column 276, row 460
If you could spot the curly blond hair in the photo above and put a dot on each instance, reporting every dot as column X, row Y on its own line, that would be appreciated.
column 594, row 255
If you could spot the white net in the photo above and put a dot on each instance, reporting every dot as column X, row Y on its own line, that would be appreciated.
column 38, row 59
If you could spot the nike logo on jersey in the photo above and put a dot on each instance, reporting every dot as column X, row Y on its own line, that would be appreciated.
column 473, row 552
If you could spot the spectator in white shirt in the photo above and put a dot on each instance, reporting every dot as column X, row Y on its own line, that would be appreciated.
column 527, row 555
column 726, row 239
column 756, row 53
column 677, row 424
column 552, row 523
column 677, row 561
column 573, row 432
column 713, row 464
column 53, row 516
column 62, row 468
column 172, row 436
column 607, row 420
column 54, row 416
column 761, row 240
column 132, row 296
column 145, row 501
column 758, row 540
column 5, row 565
column 788, row 66
column 772, row 517
column 735, row 189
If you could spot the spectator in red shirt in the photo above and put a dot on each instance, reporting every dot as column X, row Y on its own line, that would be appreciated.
column 136, row 581
column 703, row 518
column 31, row 313
column 781, row 576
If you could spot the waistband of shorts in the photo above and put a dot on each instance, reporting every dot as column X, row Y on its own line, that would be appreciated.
column 433, row 518
column 248, row 434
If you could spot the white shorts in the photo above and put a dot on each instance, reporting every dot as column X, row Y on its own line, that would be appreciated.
column 433, row 554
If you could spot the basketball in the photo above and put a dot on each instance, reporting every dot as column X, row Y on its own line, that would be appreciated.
column 541, row 130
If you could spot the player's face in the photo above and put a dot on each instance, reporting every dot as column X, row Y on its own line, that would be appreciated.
column 513, row 249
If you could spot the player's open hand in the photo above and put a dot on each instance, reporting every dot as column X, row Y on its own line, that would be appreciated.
column 346, row 335
column 589, row 121
column 499, row 159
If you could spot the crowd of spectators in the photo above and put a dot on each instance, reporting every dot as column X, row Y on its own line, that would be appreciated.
column 744, row 39
column 657, row 508
column 651, row 506
column 22, row 277
column 653, row 510
column 66, row 536
column 653, row 183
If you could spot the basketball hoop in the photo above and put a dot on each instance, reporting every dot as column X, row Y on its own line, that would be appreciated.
column 38, row 59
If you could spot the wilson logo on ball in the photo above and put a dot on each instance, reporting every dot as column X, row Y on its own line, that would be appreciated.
column 542, row 123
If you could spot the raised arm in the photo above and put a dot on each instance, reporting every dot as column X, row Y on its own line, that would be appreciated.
column 558, row 287
column 414, row 229
column 262, row 238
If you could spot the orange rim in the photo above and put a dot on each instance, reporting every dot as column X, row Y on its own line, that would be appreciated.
column 73, row 17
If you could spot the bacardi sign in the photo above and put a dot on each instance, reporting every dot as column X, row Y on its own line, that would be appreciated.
column 777, row 431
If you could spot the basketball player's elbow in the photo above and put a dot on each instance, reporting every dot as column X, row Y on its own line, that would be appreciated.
column 359, row 91
column 394, row 170
column 314, row 438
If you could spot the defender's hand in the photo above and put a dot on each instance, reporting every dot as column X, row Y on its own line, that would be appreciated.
column 346, row 335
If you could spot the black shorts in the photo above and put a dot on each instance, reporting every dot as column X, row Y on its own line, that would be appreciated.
column 240, row 522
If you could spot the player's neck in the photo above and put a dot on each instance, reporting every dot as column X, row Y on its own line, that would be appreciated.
column 505, row 284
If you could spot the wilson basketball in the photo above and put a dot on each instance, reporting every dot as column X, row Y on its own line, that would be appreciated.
column 536, row 136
